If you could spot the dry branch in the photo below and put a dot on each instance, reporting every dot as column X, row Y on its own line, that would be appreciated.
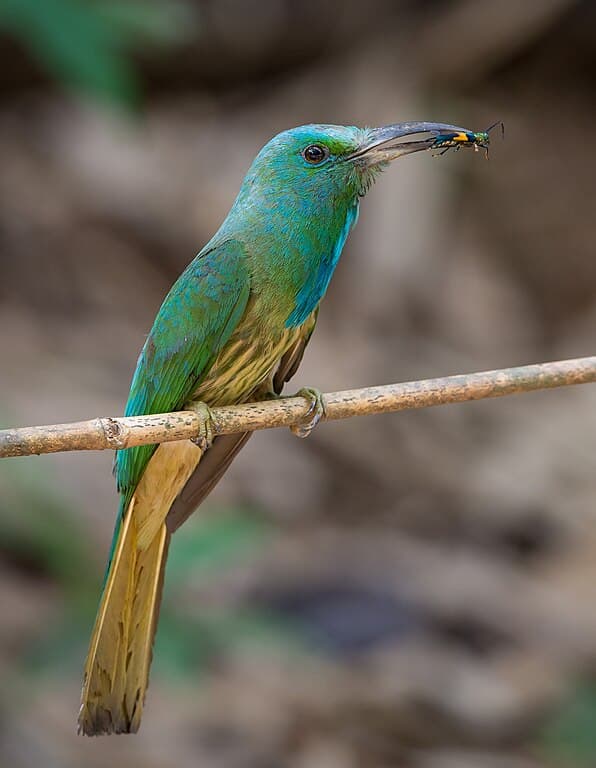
column 111, row 433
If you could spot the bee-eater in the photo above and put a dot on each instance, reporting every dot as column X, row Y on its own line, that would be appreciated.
column 232, row 329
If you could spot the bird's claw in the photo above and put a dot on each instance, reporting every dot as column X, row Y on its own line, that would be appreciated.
column 314, row 414
column 204, row 439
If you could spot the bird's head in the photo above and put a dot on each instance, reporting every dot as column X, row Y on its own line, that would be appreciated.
column 300, row 198
column 335, row 160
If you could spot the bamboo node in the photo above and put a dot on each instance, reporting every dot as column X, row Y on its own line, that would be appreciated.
column 129, row 431
column 113, row 431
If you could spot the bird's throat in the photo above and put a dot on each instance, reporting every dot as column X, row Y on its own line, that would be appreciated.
column 319, row 258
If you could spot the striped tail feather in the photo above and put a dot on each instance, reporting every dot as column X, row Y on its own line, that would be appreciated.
column 117, row 668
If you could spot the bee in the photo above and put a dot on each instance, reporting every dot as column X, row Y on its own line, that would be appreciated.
column 480, row 140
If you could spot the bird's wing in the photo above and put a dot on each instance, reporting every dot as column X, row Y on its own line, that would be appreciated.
column 195, row 321
column 225, row 447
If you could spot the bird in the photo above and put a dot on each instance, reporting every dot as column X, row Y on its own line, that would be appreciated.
column 232, row 329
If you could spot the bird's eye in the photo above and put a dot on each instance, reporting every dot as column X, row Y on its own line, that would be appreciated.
column 315, row 154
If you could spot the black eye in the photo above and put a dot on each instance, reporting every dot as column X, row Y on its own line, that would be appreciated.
column 315, row 154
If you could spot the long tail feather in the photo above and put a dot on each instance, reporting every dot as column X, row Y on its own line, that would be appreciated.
column 117, row 667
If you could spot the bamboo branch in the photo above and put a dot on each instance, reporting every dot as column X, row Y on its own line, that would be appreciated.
column 112, row 433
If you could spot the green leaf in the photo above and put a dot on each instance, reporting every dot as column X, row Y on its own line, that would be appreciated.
column 207, row 544
column 38, row 527
column 570, row 737
column 88, row 45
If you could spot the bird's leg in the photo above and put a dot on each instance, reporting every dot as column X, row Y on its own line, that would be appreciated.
column 205, row 437
column 314, row 414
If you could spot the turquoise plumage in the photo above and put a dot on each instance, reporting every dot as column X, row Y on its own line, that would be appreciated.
column 232, row 328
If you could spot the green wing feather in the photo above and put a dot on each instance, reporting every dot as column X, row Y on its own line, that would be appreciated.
column 196, row 319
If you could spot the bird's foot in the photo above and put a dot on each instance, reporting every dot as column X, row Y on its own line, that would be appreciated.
column 314, row 414
column 205, row 437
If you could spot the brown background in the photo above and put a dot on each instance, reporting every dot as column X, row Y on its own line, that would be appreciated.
column 410, row 590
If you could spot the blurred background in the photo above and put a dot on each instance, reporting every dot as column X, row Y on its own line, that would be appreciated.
column 412, row 590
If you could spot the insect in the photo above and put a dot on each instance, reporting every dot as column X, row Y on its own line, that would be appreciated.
column 480, row 140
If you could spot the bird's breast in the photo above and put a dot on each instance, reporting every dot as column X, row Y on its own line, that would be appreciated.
column 250, row 358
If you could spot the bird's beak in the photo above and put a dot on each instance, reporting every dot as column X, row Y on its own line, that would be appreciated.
column 385, row 144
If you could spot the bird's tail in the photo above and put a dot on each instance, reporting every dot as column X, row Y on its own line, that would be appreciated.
column 117, row 667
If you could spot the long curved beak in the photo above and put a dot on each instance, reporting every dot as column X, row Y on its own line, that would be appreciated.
column 385, row 144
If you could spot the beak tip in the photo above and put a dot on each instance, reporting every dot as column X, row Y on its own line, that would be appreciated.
column 383, row 144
